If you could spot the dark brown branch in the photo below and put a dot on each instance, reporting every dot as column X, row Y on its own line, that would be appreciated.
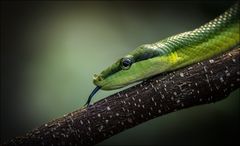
column 202, row 83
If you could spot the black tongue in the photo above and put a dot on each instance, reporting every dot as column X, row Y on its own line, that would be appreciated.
column 92, row 94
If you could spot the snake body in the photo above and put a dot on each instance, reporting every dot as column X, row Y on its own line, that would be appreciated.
column 213, row 38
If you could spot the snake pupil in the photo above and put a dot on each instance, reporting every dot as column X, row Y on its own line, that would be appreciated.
column 126, row 63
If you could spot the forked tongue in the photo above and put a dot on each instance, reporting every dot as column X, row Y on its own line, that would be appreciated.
column 92, row 94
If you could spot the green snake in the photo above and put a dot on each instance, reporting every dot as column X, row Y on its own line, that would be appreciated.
column 213, row 38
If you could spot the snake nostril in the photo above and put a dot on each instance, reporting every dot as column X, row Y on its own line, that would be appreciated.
column 100, row 78
column 97, row 77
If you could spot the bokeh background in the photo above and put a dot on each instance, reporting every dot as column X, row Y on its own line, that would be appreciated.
column 50, row 50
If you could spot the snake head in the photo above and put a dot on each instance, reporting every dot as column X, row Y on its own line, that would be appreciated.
column 133, row 67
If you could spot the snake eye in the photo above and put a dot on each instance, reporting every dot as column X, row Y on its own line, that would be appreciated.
column 126, row 63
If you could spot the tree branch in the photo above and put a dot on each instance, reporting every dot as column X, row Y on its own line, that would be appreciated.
column 201, row 83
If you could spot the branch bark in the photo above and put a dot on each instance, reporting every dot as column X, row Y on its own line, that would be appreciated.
column 201, row 83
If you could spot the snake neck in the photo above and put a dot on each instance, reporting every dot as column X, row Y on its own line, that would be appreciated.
column 226, row 21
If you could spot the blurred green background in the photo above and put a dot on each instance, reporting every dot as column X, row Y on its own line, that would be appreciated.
column 50, row 50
